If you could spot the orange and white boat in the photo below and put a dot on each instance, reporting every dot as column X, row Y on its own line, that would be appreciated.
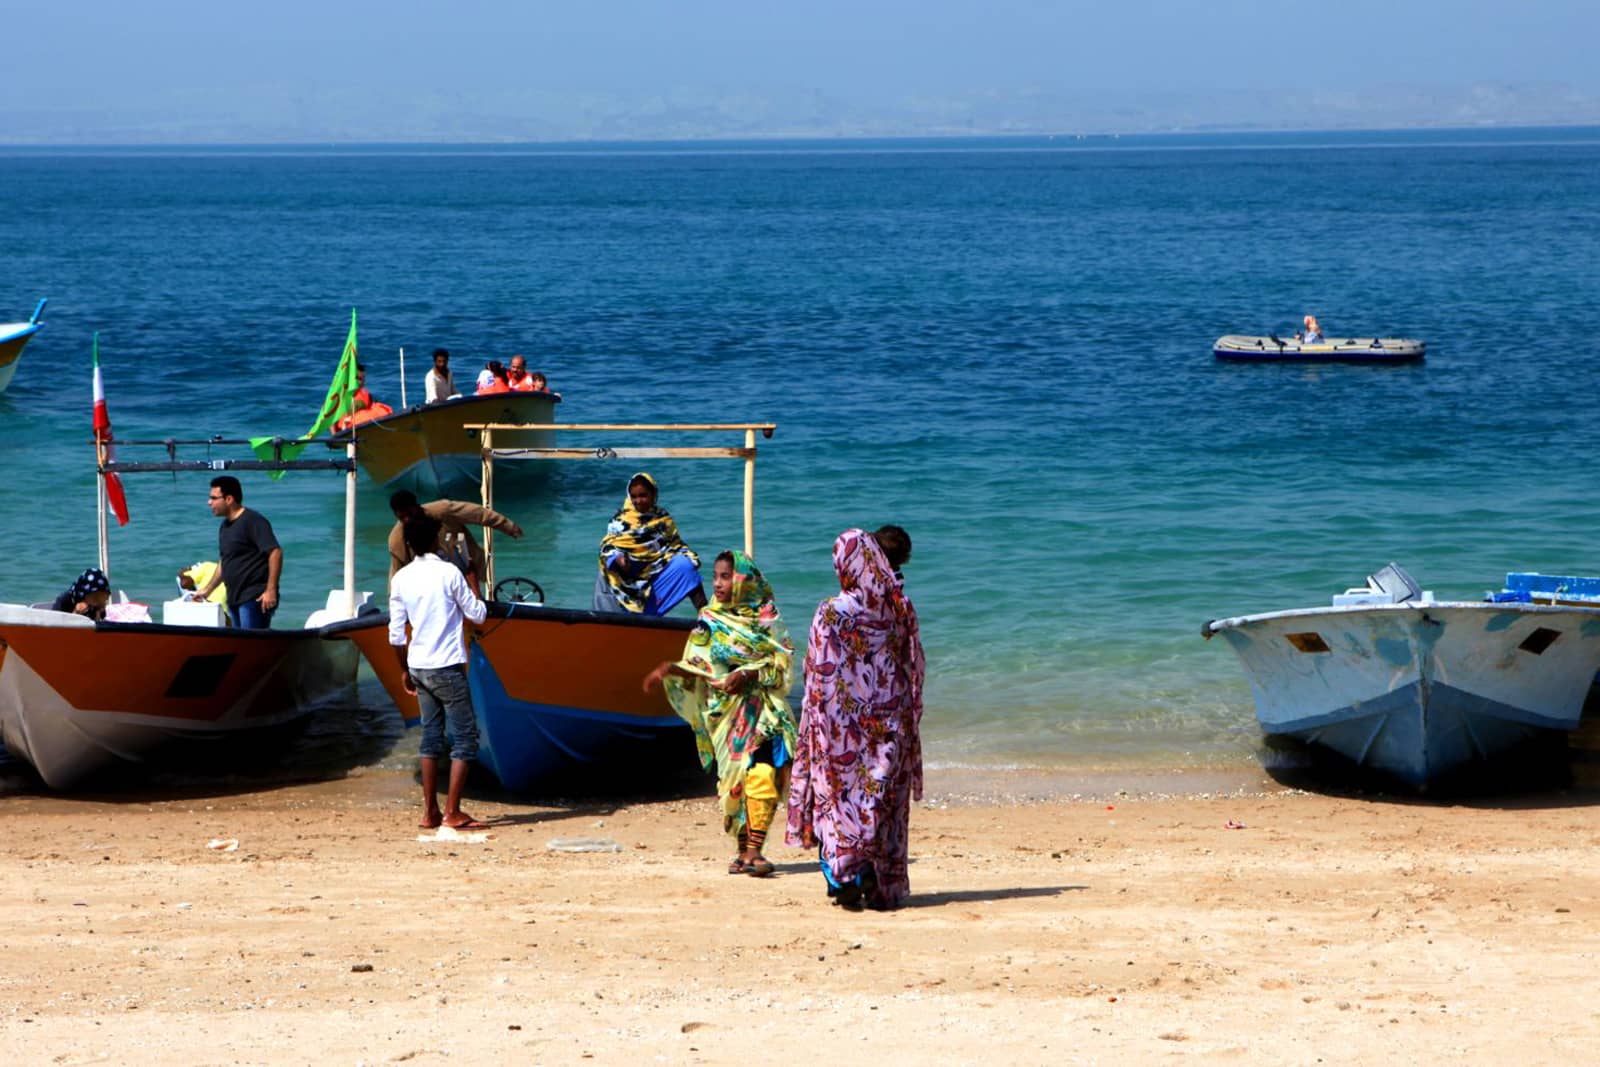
column 556, row 690
column 79, row 698
column 13, row 337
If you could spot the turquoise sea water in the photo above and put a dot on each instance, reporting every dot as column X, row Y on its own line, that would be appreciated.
column 1002, row 345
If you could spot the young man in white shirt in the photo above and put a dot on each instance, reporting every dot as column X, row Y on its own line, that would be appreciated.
column 440, row 383
column 433, row 597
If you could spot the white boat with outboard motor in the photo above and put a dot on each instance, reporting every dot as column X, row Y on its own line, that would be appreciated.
column 1415, row 688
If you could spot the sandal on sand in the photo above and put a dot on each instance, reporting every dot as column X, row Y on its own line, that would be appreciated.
column 760, row 867
column 738, row 866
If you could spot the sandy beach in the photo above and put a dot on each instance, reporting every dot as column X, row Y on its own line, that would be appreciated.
column 1254, row 924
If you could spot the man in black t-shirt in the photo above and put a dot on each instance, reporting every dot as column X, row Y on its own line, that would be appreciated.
column 250, row 557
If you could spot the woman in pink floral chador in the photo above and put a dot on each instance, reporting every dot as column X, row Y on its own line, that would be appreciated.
column 858, row 763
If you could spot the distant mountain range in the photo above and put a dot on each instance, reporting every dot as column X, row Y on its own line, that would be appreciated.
column 294, row 115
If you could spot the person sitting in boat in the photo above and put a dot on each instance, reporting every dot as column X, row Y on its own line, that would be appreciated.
column 456, row 543
column 439, row 383
column 517, row 374
column 195, row 577
column 88, row 596
column 497, row 380
column 362, row 407
column 1313, row 334
column 644, row 566
column 541, row 384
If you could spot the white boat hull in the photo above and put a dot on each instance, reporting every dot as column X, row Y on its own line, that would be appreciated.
column 1418, row 691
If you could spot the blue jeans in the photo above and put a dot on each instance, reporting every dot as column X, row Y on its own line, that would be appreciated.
column 444, row 697
column 249, row 615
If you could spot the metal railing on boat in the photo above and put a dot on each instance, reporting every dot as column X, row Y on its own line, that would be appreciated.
column 486, row 430
column 105, row 466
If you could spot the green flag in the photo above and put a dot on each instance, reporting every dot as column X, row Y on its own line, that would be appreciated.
column 338, row 403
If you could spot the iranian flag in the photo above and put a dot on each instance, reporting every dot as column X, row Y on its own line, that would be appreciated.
column 102, row 438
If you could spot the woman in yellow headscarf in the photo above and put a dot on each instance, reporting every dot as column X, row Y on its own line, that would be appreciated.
column 732, row 687
column 645, row 567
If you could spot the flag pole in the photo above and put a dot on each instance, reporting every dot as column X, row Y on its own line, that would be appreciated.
column 100, row 503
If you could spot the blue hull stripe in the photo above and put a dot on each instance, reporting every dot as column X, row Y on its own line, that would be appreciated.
column 525, row 742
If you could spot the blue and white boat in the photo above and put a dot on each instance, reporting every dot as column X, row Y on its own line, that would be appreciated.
column 1412, row 687
column 13, row 337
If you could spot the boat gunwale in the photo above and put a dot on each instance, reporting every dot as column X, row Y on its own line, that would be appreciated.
column 505, row 610
column 22, row 329
column 1215, row 626
column 446, row 405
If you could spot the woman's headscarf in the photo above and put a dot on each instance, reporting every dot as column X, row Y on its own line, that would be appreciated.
column 870, row 593
column 93, row 580
column 649, row 539
column 741, row 633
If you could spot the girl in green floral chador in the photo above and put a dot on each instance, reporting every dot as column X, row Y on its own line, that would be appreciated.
column 732, row 687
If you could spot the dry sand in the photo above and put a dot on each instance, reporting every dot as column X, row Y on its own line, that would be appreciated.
column 1107, row 928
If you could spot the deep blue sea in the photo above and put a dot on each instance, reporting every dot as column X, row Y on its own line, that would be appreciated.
column 1003, row 345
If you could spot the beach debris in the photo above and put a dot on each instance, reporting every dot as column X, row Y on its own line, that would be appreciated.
column 450, row 835
column 360, row 968
column 223, row 844
column 1231, row 825
column 583, row 844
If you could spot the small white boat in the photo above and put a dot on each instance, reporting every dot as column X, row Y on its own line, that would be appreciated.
column 1244, row 348
column 14, row 336
column 1415, row 688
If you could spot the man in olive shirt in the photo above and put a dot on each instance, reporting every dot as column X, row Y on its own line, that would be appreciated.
column 456, row 543
column 251, row 560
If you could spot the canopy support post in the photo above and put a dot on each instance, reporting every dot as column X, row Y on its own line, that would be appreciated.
column 750, row 494
column 488, row 502
column 350, row 530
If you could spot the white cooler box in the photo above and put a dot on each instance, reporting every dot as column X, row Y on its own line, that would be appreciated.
column 192, row 613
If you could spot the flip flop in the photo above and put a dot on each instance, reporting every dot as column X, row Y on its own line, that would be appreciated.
column 470, row 824
column 759, row 867
column 738, row 866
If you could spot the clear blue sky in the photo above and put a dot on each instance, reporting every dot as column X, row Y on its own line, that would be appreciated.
column 106, row 61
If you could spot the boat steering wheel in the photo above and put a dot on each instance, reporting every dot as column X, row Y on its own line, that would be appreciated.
column 518, row 591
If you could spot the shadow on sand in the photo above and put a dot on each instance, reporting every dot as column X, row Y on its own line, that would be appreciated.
column 976, row 896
